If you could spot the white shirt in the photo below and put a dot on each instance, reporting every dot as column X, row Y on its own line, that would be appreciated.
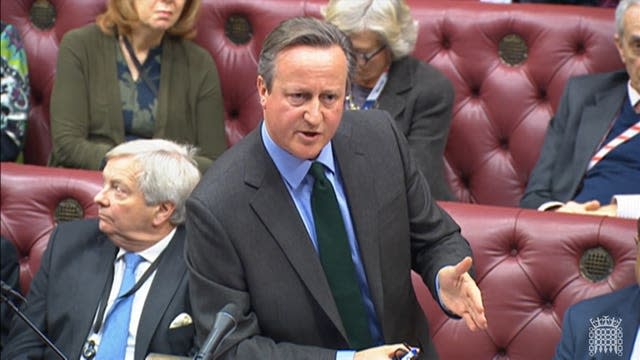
column 149, row 255
column 635, row 353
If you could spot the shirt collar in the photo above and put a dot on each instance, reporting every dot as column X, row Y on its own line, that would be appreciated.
column 634, row 95
column 294, row 169
column 151, row 254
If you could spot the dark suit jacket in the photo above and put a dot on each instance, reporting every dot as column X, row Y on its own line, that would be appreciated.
column 247, row 244
column 10, row 274
column 420, row 98
column 64, row 296
column 578, row 330
column 587, row 107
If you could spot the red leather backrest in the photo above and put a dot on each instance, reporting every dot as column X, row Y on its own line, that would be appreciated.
column 508, row 64
column 530, row 267
column 33, row 199
column 501, row 111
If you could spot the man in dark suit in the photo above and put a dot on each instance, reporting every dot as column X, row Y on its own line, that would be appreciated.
column 604, row 327
column 256, row 236
column 79, row 290
column 590, row 159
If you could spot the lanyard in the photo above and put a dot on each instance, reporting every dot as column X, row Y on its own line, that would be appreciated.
column 89, row 348
column 373, row 96
column 613, row 143
column 141, row 72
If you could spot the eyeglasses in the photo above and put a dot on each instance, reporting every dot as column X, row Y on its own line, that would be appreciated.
column 365, row 58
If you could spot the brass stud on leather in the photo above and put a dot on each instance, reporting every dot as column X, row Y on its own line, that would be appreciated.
column 596, row 264
column 42, row 14
column 513, row 50
column 67, row 210
column 238, row 29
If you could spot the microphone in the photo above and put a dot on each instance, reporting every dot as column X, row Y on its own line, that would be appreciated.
column 224, row 325
column 7, row 290
column 24, row 317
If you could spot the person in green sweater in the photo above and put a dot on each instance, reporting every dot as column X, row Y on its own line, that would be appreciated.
column 134, row 75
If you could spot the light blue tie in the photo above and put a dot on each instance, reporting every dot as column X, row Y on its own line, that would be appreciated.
column 113, row 344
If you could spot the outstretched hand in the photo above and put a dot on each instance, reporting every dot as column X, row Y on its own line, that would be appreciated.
column 460, row 294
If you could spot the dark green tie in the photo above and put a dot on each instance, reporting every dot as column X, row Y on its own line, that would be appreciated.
column 335, row 255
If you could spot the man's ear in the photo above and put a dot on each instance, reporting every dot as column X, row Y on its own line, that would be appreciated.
column 163, row 213
column 262, row 90
column 617, row 39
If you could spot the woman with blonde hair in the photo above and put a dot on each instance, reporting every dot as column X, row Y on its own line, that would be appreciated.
column 417, row 95
column 135, row 74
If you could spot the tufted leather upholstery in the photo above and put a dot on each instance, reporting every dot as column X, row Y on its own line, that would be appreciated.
column 29, row 207
column 528, row 269
column 500, row 112
column 527, row 262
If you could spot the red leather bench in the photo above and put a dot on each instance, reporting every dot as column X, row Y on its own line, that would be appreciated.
column 530, row 265
column 508, row 64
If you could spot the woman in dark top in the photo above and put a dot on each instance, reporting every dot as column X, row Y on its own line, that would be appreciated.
column 415, row 94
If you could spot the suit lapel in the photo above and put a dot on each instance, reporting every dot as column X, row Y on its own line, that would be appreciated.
column 595, row 122
column 272, row 203
column 352, row 161
column 400, row 81
column 166, row 281
column 91, row 283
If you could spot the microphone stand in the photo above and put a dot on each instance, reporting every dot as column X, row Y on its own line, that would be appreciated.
column 32, row 326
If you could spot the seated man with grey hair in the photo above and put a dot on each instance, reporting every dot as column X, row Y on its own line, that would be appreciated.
column 590, row 160
column 116, row 287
